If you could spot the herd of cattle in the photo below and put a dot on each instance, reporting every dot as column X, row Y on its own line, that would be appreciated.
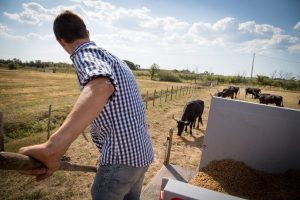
column 264, row 98
column 194, row 109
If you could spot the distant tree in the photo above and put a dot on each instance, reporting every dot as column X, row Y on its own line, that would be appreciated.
column 12, row 66
column 263, row 80
column 154, row 69
column 131, row 65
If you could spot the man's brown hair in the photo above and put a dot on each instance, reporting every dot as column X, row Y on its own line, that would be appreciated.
column 69, row 26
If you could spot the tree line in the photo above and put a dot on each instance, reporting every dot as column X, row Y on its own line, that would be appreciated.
column 275, row 79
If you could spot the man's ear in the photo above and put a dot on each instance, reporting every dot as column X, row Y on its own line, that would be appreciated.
column 62, row 42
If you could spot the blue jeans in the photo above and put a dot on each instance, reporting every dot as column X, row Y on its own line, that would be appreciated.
column 118, row 182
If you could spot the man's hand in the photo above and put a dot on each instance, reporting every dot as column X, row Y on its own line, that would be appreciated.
column 43, row 153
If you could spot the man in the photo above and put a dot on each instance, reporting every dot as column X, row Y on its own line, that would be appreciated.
column 110, row 101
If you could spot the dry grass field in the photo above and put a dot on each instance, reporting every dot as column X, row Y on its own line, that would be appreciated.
column 25, row 94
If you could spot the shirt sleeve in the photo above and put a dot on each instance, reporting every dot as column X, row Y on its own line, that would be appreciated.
column 90, row 65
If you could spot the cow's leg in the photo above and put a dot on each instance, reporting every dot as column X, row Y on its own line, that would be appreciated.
column 194, row 123
column 190, row 128
column 186, row 128
column 198, row 121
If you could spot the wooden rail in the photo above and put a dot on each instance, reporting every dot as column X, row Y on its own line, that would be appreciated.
column 16, row 161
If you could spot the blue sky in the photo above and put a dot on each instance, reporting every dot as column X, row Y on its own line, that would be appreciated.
column 199, row 35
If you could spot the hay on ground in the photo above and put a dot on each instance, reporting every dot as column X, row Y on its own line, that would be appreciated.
column 238, row 179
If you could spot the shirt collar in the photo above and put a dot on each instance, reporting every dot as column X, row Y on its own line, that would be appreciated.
column 80, row 47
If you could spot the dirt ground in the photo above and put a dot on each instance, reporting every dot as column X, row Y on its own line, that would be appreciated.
column 186, row 150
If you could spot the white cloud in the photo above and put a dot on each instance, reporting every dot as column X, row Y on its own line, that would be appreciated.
column 294, row 48
column 297, row 26
column 221, row 26
column 99, row 5
column 34, row 13
column 132, row 19
column 40, row 37
column 261, row 29
column 166, row 23
column 133, row 27
column 282, row 42
column 3, row 29
column 4, row 32
column 224, row 24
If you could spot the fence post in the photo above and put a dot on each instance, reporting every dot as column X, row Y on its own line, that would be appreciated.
column 180, row 91
column 1, row 133
column 169, row 145
column 176, row 92
column 171, row 93
column 154, row 97
column 147, row 100
column 166, row 95
column 160, row 96
column 49, row 122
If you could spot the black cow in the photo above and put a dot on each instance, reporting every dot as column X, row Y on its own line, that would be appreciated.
column 257, row 95
column 266, row 99
column 236, row 90
column 226, row 93
column 191, row 111
column 252, row 91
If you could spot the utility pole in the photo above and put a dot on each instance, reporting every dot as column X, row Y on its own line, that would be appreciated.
column 252, row 65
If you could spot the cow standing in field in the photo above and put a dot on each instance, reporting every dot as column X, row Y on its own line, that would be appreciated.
column 271, row 99
column 191, row 111
column 257, row 95
column 236, row 90
column 226, row 93
column 252, row 91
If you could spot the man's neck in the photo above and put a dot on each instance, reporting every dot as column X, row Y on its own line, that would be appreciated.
column 70, row 47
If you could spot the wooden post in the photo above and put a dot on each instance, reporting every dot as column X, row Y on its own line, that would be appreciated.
column 49, row 122
column 176, row 92
column 180, row 91
column 169, row 145
column 147, row 100
column 171, row 93
column 154, row 97
column 166, row 95
column 160, row 96
column 1, row 133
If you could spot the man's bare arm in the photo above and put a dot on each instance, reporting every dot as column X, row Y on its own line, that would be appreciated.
column 88, row 106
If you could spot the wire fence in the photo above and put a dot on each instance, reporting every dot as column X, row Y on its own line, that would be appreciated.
column 157, row 97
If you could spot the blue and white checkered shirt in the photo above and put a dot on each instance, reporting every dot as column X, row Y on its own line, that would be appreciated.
column 120, row 131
